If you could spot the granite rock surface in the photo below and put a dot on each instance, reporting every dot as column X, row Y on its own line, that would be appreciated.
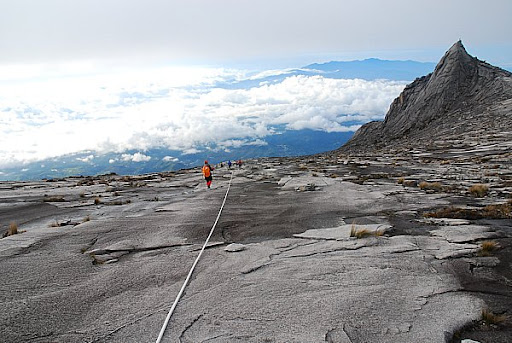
column 281, row 265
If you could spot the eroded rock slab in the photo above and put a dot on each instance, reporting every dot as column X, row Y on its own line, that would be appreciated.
column 464, row 233
column 343, row 231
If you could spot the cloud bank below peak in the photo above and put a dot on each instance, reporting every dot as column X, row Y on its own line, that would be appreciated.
column 178, row 109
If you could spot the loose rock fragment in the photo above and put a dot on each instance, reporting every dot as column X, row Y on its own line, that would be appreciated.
column 235, row 247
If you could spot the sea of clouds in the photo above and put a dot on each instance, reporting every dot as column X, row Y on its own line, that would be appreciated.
column 180, row 108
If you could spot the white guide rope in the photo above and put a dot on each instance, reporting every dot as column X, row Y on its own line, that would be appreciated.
column 193, row 267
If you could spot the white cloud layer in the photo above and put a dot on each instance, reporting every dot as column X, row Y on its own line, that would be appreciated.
column 137, row 157
column 180, row 109
column 170, row 159
column 88, row 158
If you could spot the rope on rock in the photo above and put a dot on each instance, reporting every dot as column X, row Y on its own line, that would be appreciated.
column 164, row 327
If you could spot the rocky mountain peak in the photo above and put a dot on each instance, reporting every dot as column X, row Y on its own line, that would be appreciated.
column 455, row 71
column 456, row 53
column 458, row 93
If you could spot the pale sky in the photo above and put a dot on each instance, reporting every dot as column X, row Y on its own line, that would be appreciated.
column 119, row 75
column 234, row 31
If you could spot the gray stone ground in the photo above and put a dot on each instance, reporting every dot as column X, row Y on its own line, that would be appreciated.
column 112, row 270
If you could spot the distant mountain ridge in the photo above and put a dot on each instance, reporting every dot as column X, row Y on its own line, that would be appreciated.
column 368, row 69
column 461, row 94
column 374, row 68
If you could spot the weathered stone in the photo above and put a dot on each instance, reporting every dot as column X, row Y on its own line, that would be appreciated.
column 445, row 221
column 306, row 188
column 343, row 231
column 464, row 233
column 234, row 247
column 284, row 180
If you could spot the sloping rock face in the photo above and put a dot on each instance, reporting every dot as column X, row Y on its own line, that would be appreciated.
column 281, row 266
column 462, row 94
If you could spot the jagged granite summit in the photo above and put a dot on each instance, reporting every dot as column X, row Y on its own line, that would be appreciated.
column 462, row 95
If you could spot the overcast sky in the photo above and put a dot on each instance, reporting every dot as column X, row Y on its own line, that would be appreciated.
column 235, row 31
column 119, row 75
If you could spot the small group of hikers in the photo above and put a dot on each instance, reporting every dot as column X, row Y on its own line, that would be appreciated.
column 238, row 163
column 207, row 170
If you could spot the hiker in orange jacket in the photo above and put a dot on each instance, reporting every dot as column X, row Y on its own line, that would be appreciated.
column 207, row 172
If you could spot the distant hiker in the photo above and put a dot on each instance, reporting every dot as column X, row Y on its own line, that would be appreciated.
column 207, row 172
column 239, row 164
column 229, row 164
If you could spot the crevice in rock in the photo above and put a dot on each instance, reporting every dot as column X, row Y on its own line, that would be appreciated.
column 105, row 256
column 132, row 250
column 434, row 294
column 271, row 257
column 471, row 268
column 405, row 250
column 251, row 319
column 212, row 338
column 489, row 293
column 318, row 238
column 38, row 338
column 255, row 268
column 195, row 320
column 136, row 320
column 89, row 245
column 329, row 251
column 290, row 248
column 211, row 245
column 462, row 290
